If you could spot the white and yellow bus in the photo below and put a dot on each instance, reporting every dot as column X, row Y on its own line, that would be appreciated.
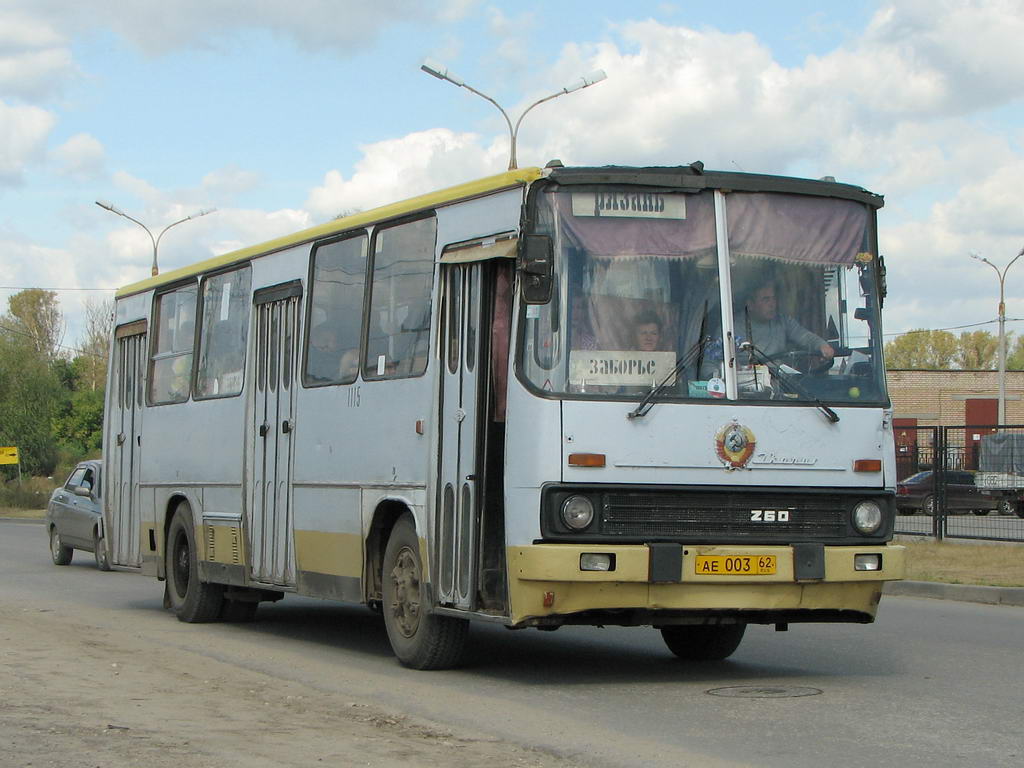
column 607, row 396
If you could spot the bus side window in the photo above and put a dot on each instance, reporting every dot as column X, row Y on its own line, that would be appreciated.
column 400, row 300
column 222, row 335
column 336, row 312
column 170, row 367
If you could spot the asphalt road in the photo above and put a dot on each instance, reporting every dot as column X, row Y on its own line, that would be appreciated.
column 932, row 683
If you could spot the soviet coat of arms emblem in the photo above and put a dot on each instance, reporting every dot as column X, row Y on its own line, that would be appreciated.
column 734, row 445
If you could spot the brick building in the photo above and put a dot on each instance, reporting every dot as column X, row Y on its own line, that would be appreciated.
column 948, row 399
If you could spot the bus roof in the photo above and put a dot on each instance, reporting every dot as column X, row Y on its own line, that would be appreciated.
column 470, row 189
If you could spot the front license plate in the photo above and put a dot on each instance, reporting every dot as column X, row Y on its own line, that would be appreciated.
column 735, row 565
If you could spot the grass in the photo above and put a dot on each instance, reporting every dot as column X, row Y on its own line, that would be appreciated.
column 951, row 562
column 22, row 513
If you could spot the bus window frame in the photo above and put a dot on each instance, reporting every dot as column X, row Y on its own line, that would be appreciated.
column 352, row 234
column 371, row 262
column 154, row 339
column 200, row 304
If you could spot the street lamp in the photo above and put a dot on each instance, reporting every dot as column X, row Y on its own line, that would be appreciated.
column 155, row 240
column 441, row 72
column 1002, row 329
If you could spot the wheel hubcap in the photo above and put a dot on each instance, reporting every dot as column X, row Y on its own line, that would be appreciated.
column 181, row 565
column 405, row 593
column 54, row 543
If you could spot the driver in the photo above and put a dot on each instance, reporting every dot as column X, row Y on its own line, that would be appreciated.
column 773, row 334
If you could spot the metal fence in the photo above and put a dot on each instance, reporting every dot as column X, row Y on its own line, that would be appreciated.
column 962, row 482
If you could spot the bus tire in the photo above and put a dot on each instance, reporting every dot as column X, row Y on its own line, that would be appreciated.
column 60, row 554
column 419, row 638
column 711, row 642
column 192, row 600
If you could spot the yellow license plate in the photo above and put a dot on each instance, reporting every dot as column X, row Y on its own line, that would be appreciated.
column 735, row 565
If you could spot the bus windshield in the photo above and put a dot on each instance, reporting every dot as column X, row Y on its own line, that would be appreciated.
column 641, row 297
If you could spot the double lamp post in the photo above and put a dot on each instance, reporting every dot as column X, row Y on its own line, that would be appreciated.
column 155, row 240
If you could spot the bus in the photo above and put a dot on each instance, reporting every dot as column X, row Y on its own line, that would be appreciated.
column 555, row 396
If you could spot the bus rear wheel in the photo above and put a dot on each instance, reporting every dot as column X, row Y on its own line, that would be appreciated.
column 712, row 642
column 192, row 600
column 419, row 638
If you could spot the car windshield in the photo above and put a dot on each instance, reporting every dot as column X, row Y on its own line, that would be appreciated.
column 638, row 297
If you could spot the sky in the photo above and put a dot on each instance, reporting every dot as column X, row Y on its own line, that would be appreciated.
column 284, row 115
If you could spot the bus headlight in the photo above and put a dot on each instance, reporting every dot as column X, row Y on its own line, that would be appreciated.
column 577, row 512
column 867, row 517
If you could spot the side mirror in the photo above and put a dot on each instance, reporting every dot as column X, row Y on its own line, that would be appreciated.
column 81, row 490
column 535, row 265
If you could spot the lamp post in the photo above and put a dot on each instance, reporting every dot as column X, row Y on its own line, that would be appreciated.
column 441, row 72
column 155, row 240
column 1001, row 274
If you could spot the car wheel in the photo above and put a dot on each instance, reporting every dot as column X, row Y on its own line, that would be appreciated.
column 419, row 638
column 192, row 600
column 61, row 554
column 1008, row 507
column 703, row 643
column 928, row 505
column 99, row 551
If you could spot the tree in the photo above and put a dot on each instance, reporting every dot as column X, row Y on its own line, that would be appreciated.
column 29, row 395
column 922, row 349
column 978, row 351
column 91, row 362
column 1015, row 352
column 35, row 314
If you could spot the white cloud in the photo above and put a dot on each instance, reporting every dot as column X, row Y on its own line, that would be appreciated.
column 81, row 157
column 400, row 168
column 338, row 26
column 23, row 134
column 34, row 57
column 227, row 183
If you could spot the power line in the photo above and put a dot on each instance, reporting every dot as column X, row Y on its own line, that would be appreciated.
column 77, row 350
column 952, row 327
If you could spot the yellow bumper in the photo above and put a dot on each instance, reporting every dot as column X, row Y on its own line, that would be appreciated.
column 546, row 580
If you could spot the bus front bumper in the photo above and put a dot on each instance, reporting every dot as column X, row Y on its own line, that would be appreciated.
column 549, row 586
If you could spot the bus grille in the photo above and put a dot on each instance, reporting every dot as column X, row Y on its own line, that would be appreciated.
column 725, row 516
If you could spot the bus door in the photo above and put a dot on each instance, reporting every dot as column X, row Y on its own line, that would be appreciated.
column 272, row 427
column 121, row 487
column 458, row 486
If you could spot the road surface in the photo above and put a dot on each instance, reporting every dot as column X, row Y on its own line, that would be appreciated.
column 94, row 672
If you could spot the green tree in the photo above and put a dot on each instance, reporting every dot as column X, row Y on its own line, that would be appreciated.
column 1015, row 352
column 977, row 351
column 922, row 349
column 29, row 396
column 35, row 315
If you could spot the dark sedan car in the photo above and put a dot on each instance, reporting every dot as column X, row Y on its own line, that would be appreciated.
column 74, row 516
column 917, row 494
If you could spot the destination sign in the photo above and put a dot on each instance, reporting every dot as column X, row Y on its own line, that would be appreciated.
column 8, row 455
column 629, row 205
column 594, row 367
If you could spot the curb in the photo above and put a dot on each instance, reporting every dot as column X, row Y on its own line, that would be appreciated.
column 970, row 593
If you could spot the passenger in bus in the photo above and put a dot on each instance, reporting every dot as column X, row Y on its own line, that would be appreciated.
column 323, row 362
column 772, row 333
column 647, row 331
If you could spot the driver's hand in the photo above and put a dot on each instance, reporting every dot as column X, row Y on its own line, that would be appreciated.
column 826, row 351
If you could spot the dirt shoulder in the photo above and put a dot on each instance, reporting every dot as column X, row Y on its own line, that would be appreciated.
column 74, row 695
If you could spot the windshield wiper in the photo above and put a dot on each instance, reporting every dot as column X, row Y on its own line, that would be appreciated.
column 788, row 380
column 648, row 400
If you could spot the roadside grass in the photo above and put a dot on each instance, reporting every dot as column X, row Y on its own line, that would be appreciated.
column 995, row 565
column 28, row 514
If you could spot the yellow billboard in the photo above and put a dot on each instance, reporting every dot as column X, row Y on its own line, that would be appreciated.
column 8, row 455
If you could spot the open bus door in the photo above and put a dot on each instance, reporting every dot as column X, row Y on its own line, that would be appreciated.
column 458, row 486
column 124, row 449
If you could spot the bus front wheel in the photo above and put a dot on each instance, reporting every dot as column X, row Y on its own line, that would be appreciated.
column 419, row 638
column 712, row 642
column 191, row 600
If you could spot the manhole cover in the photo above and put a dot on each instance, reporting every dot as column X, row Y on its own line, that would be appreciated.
column 765, row 691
